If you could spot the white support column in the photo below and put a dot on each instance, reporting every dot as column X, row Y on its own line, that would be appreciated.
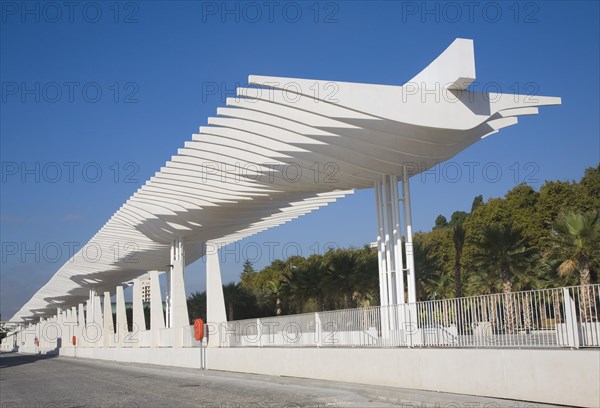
column 38, row 334
column 60, row 326
column 178, row 309
column 89, row 331
column 390, row 250
column 108, row 325
column 121, row 324
column 383, row 297
column 139, row 320
column 157, row 320
column 384, row 289
column 98, row 321
column 92, row 326
column 215, row 301
column 410, row 261
column 81, row 325
column 63, row 322
column 74, row 327
column 389, row 245
column 168, row 288
column 397, row 234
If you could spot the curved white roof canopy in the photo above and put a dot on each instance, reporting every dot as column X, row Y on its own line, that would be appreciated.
column 361, row 131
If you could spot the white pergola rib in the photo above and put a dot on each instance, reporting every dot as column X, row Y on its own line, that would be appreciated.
column 362, row 131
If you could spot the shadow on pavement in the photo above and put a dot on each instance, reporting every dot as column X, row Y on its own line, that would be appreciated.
column 13, row 359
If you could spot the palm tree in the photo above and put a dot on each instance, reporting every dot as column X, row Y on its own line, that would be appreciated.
column 340, row 278
column 430, row 284
column 574, row 237
column 303, row 282
column 196, row 303
column 502, row 253
column 366, row 279
column 275, row 289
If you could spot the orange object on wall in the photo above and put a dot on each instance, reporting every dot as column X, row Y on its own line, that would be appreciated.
column 198, row 329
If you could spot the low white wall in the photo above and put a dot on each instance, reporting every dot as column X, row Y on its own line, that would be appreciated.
column 567, row 377
column 174, row 357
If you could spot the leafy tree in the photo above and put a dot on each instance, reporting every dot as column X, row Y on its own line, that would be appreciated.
column 458, row 238
column 590, row 185
column 457, row 218
column 248, row 273
column 477, row 201
column 340, row 275
column 440, row 222
column 240, row 303
column 302, row 283
column 366, row 290
column 573, row 242
column 429, row 272
column 503, row 253
column 196, row 304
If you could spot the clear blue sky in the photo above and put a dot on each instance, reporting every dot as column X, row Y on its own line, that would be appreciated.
column 159, row 57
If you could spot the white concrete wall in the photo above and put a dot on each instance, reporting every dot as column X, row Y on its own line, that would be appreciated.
column 567, row 377
column 174, row 357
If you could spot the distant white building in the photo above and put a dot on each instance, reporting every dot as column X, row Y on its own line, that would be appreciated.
column 145, row 288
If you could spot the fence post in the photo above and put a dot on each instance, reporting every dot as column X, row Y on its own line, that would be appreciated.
column 259, row 332
column 318, row 330
column 572, row 329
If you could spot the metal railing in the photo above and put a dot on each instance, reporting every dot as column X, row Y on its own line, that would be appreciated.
column 561, row 317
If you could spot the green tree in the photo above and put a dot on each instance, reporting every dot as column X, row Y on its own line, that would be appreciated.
column 196, row 304
column 440, row 222
column 457, row 218
column 303, row 282
column 429, row 273
column 341, row 275
column 573, row 243
column 502, row 253
column 240, row 303
column 477, row 201
column 458, row 238
column 366, row 289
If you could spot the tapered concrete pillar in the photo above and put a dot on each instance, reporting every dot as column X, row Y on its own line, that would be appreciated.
column 39, row 331
column 108, row 326
column 64, row 328
column 121, row 324
column 157, row 319
column 81, row 325
column 60, row 326
column 98, row 320
column 216, row 317
column 74, row 327
column 38, row 335
column 139, row 320
column 178, row 310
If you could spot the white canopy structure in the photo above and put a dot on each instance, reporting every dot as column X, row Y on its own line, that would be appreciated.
column 283, row 148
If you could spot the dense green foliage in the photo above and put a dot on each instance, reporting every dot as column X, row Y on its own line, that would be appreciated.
column 526, row 240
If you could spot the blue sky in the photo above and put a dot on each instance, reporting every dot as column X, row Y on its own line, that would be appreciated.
column 120, row 88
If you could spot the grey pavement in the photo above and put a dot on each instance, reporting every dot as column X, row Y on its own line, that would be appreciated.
column 52, row 382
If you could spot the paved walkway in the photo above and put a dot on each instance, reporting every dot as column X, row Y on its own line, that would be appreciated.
column 45, row 382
